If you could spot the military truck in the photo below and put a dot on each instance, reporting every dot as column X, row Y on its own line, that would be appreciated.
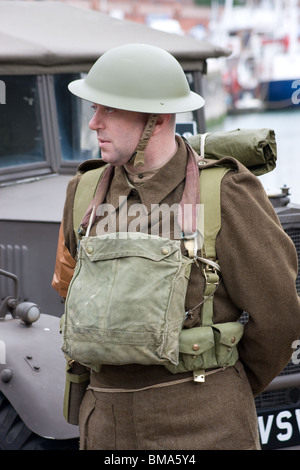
column 278, row 407
column 43, row 137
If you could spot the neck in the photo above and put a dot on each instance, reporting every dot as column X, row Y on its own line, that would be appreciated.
column 154, row 157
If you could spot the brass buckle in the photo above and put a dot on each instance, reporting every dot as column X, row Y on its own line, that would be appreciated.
column 199, row 375
column 211, row 275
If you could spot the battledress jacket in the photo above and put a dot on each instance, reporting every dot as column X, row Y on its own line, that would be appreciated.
column 259, row 267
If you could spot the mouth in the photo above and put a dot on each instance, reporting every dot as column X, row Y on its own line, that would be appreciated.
column 102, row 142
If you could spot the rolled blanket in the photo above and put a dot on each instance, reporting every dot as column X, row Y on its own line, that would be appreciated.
column 254, row 148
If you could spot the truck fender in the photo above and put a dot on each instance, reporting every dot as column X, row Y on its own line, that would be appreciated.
column 32, row 375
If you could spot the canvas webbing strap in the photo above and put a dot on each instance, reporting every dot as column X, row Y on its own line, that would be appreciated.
column 85, row 192
column 138, row 157
column 210, row 197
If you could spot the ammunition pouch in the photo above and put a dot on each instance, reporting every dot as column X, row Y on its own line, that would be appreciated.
column 208, row 347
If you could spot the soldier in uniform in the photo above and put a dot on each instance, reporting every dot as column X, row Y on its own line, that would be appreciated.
column 136, row 91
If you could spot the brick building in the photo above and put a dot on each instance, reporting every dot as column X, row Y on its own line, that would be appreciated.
column 185, row 12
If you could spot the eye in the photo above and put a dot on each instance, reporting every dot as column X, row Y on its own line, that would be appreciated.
column 94, row 107
column 109, row 110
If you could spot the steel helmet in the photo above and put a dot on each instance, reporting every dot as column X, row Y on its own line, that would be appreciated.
column 138, row 77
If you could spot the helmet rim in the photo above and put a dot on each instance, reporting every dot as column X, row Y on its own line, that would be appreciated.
column 125, row 78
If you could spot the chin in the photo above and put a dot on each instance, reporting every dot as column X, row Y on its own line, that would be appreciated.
column 111, row 161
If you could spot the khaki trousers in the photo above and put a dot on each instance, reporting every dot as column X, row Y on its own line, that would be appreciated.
column 217, row 414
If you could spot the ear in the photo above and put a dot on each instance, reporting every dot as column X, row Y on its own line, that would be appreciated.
column 161, row 123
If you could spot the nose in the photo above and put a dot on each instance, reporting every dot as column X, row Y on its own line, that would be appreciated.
column 97, row 121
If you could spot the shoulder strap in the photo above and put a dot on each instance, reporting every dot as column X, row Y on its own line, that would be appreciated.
column 84, row 194
column 210, row 189
column 210, row 197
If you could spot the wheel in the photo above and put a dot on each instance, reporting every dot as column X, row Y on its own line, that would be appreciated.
column 15, row 435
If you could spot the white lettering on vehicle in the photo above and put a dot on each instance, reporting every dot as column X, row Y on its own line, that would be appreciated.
column 282, row 423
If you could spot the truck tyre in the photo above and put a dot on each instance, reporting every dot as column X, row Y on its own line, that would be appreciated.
column 15, row 435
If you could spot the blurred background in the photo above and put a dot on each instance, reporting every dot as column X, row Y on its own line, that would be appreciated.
column 257, row 85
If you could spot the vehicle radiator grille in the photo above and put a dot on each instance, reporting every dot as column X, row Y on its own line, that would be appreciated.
column 14, row 259
column 295, row 236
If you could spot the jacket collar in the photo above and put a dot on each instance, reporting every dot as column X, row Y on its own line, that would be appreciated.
column 155, row 190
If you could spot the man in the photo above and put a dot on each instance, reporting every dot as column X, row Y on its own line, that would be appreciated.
column 136, row 90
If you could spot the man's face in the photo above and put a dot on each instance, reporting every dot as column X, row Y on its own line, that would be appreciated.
column 118, row 132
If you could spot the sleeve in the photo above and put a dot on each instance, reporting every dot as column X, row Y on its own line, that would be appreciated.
column 259, row 267
column 68, row 226
column 67, row 243
column 64, row 266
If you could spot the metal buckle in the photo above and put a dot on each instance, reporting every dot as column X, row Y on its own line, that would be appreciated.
column 190, row 243
column 199, row 375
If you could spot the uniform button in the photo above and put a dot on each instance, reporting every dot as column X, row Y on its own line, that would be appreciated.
column 89, row 250
column 233, row 339
column 165, row 251
column 195, row 347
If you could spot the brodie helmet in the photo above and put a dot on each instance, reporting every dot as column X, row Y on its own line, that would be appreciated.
column 140, row 78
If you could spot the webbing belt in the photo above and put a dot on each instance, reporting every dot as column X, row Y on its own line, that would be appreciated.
column 159, row 385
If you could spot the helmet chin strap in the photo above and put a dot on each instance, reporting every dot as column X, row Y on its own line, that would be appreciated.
column 138, row 158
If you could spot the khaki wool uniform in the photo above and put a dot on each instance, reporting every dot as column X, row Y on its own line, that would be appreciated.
column 148, row 407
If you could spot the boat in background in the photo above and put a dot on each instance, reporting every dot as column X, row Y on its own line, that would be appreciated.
column 280, row 63
column 263, row 71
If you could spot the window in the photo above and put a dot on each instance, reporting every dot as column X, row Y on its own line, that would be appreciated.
column 20, row 122
column 77, row 141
